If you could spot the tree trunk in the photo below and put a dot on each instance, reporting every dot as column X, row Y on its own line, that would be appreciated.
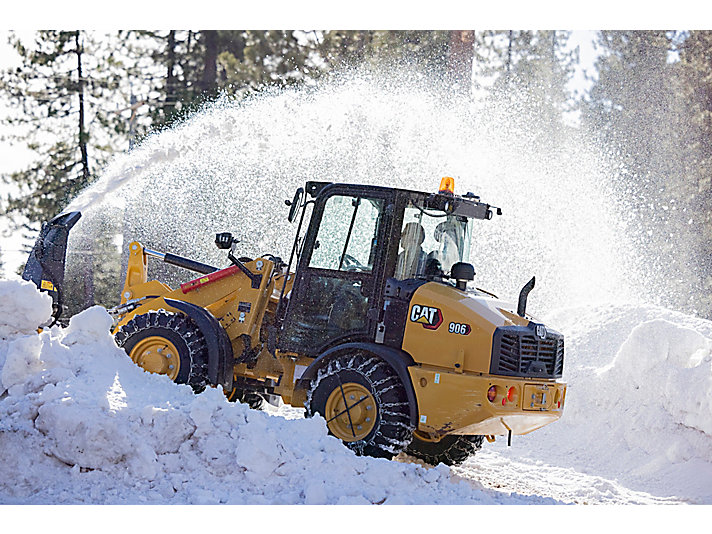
column 509, row 52
column 82, row 133
column 88, row 275
column 210, row 71
column 171, row 99
column 460, row 58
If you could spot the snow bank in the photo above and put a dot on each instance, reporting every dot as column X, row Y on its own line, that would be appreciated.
column 639, row 401
column 23, row 307
column 80, row 423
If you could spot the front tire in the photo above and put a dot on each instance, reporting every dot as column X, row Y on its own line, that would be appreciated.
column 364, row 404
column 450, row 450
column 167, row 343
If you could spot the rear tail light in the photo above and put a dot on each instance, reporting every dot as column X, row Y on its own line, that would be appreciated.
column 511, row 394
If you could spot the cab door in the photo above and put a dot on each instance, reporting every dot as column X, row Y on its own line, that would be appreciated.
column 340, row 272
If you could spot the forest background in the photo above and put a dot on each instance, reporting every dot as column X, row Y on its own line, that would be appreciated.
column 77, row 97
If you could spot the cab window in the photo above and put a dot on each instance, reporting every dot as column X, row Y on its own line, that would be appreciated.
column 347, row 237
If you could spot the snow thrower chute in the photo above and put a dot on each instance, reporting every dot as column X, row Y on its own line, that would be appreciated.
column 45, row 266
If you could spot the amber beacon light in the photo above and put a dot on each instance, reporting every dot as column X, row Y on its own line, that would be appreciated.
column 447, row 185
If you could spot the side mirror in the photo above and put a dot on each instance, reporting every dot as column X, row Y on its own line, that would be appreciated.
column 294, row 203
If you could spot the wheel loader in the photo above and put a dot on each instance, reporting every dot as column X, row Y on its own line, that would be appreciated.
column 371, row 324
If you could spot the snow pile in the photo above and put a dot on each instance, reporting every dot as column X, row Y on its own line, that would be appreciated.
column 639, row 401
column 80, row 423
column 25, row 309
column 675, row 377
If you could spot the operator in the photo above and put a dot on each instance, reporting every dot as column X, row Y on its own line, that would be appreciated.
column 412, row 259
column 445, row 235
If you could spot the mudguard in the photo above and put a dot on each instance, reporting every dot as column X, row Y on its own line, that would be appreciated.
column 396, row 358
column 220, row 356
column 45, row 266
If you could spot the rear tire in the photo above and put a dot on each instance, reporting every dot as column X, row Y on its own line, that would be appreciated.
column 450, row 450
column 364, row 403
column 167, row 343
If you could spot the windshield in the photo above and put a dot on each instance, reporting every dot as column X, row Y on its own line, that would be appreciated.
column 431, row 242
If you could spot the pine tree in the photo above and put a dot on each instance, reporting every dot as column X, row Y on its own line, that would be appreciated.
column 695, row 52
column 63, row 91
column 426, row 52
column 527, row 69
column 251, row 59
column 629, row 104
column 636, row 111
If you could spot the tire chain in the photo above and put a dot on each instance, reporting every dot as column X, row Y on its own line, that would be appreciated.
column 182, row 325
column 394, row 416
column 462, row 448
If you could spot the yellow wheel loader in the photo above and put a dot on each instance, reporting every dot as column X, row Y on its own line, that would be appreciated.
column 370, row 324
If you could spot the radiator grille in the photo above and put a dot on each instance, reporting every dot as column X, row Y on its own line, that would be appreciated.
column 518, row 351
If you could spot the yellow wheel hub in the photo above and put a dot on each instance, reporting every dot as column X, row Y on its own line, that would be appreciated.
column 350, row 412
column 157, row 355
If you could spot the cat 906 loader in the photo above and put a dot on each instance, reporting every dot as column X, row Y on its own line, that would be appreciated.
column 375, row 328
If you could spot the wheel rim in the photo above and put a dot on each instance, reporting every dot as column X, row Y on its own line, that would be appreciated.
column 351, row 412
column 157, row 355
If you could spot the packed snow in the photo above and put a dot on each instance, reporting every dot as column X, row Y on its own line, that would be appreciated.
column 80, row 423
column 637, row 426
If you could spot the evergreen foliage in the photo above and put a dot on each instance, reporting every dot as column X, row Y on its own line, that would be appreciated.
column 695, row 51
column 62, row 95
column 639, row 111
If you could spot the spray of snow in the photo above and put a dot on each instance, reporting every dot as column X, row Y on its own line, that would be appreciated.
column 83, row 424
column 235, row 163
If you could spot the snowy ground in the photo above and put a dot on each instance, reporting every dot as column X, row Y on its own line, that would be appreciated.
column 79, row 423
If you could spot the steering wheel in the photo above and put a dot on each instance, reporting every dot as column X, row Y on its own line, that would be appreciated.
column 350, row 263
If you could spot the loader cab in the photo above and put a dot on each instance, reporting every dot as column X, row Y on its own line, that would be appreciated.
column 341, row 263
column 358, row 236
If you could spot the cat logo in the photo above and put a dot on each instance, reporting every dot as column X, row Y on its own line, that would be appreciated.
column 430, row 318
column 541, row 331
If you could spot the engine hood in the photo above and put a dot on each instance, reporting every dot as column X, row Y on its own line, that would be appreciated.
column 446, row 326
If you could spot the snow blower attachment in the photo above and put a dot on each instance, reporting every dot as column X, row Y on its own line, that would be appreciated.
column 45, row 266
column 370, row 325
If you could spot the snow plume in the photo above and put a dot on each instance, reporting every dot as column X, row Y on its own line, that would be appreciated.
column 235, row 162
column 80, row 423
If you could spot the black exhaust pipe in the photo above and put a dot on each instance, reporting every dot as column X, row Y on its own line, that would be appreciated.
column 45, row 266
column 523, row 294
